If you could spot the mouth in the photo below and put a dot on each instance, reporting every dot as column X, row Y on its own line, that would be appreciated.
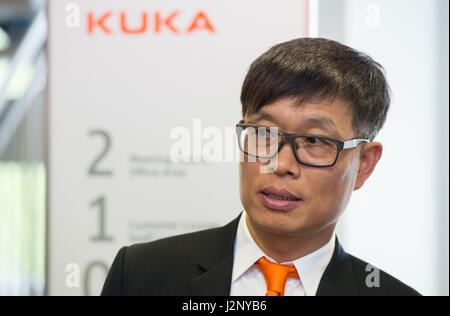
column 278, row 199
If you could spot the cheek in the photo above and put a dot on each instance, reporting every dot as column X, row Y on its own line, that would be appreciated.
column 247, row 178
column 335, row 188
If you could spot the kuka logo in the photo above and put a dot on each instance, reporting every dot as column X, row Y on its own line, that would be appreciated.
column 154, row 22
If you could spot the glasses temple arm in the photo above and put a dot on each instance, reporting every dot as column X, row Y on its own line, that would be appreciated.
column 354, row 142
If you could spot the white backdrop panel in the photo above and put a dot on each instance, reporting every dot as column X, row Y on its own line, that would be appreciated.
column 113, row 100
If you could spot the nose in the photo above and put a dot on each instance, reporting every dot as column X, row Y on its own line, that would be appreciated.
column 287, row 164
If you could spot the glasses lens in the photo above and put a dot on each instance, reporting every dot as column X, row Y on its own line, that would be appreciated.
column 315, row 150
column 259, row 141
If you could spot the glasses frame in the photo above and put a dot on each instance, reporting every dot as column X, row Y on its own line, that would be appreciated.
column 290, row 138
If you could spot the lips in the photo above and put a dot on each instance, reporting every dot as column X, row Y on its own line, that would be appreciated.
column 278, row 199
column 280, row 194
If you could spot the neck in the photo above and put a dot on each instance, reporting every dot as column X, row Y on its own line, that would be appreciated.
column 284, row 248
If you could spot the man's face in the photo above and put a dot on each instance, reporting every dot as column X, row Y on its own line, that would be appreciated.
column 324, row 192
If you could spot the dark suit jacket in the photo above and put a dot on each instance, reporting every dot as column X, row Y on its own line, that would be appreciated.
column 201, row 263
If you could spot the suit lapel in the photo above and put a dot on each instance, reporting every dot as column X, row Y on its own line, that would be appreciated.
column 338, row 278
column 217, row 263
column 214, row 282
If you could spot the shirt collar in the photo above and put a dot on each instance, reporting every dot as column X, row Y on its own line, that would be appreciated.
column 246, row 251
column 310, row 268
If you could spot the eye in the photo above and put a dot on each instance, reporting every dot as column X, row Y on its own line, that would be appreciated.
column 312, row 140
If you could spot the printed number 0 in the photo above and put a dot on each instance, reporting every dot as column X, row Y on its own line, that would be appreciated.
column 88, row 275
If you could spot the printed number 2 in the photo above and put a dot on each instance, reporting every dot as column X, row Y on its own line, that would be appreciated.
column 94, row 169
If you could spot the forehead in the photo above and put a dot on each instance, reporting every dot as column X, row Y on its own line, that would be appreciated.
column 333, row 117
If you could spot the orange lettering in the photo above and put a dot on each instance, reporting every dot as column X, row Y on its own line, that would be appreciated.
column 100, row 22
column 200, row 22
column 167, row 22
column 205, row 23
column 127, row 30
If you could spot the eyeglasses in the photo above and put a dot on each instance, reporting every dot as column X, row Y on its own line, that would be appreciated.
column 311, row 150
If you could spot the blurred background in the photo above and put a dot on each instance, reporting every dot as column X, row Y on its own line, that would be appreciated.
column 23, row 34
column 90, row 93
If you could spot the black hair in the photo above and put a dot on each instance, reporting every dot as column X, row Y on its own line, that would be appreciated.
column 312, row 69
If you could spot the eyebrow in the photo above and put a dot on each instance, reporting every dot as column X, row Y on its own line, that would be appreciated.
column 317, row 121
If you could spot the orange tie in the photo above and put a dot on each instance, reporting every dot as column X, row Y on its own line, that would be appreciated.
column 276, row 275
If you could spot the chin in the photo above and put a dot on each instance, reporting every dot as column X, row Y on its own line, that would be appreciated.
column 278, row 224
column 284, row 231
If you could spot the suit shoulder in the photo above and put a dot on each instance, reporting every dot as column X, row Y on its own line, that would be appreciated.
column 164, row 266
column 167, row 266
column 374, row 281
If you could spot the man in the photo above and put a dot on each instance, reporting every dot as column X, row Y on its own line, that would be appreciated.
column 321, row 104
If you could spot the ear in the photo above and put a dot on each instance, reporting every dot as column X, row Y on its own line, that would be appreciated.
column 368, row 159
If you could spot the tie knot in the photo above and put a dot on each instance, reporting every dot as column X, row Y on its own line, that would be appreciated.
column 276, row 275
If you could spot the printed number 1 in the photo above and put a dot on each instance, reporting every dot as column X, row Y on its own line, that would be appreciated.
column 100, row 203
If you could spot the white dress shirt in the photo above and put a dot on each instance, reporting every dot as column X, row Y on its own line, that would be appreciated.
column 248, row 280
